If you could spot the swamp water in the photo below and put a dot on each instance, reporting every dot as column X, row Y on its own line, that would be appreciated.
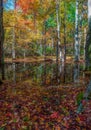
column 46, row 74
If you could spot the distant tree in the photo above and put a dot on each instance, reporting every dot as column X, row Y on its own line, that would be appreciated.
column 14, row 36
column 1, row 40
column 88, row 40
column 1, row 32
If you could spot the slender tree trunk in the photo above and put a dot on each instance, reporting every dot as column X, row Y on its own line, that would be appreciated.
column 85, row 97
column 88, row 40
column 80, row 31
column 52, row 45
column 14, row 72
column 76, row 34
column 1, row 40
column 1, row 32
column 24, row 53
column 64, row 32
column 41, row 46
column 13, row 32
column 44, row 74
column 45, row 39
column 76, row 73
column 58, row 29
column 35, row 28
column 84, row 42
column 13, row 44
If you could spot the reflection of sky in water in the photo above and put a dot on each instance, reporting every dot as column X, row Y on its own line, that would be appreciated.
column 9, row 5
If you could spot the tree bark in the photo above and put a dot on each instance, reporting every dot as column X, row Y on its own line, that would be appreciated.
column 14, row 37
column 58, row 29
column 45, row 40
column 1, row 40
column 13, row 44
column 1, row 32
column 76, row 73
column 88, row 40
column 84, row 42
column 64, row 32
column 76, row 34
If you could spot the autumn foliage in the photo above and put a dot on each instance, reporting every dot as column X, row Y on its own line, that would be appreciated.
column 26, row 5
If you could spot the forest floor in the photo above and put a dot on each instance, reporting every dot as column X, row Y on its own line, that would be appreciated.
column 27, row 106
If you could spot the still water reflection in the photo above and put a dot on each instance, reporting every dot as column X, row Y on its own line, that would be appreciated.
column 45, row 73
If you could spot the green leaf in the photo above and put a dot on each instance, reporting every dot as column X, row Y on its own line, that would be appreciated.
column 25, row 119
column 2, row 128
column 14, row 120
column 79, row 98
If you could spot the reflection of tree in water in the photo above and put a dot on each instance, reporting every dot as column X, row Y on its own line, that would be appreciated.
column 59, row 74
column 54, row 75
column 62, row 70
column 44, row 74
column 14, row 72
column 2, row 73
column 37, row 74
column 76, row 73
column 64, row 73
column 47, row 74
column 54, row 78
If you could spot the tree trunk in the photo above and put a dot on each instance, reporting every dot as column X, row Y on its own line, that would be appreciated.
column 14, row 72
column 76, row 34
column 13, row 43
column 76, row 73
column 84, row 42
column 58, row 29
column 24, row 53
column 35, row 28
column 1, row 32
column 1, row 40
column 64, row 32
column 88, row 40
column 44, row 40
column 80, row 31
column 85, row 97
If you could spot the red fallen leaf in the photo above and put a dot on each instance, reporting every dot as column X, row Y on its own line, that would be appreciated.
column 65, row 123
column 82, row 117
column 9, row 106
column 57, row 128
column 54, row 115
column 9, row 115
column 84, row 102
